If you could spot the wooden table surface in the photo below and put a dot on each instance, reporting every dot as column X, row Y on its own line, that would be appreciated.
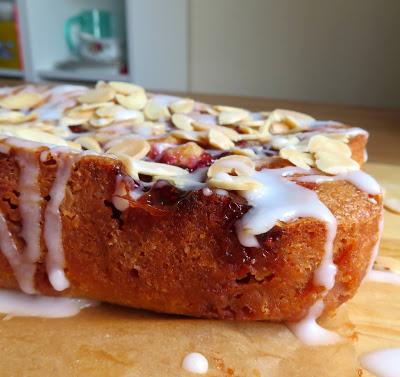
column 383, row 124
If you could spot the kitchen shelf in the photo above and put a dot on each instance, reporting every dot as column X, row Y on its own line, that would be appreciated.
column 58, row 74
column 10, row 72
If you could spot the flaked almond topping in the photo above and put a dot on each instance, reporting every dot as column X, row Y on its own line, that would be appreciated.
column 125, row 88
column 107, row 111
column 238, row 183
column 154, row 111
column 67, row 121
column 135, row 148
column 32, row 134
column 279, row 128
column 100, row 122
column 219, row 140
column 392, row 204
column 16, row 117
column 22, row 100
column 222, row 108
column 279, row 142
column 88, row 143
column 182, row 121
column 135, row 167
column 98, row 95
column 190, row 135
column 384, row 263
column 185, row 182
column 232, row 117
column 284, row 121
column 74, row 145
column 333, row 163
column 78, row 113
column 232, row 134
column 93, row 106
column 183, row 106
column 243, row 151
column 134, row 101
column 320, row 143
column 148, row 129
column 234, row 165
column 252, row 123
column 301, row 159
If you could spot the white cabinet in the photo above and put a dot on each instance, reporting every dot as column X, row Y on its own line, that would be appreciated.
column 154, row 34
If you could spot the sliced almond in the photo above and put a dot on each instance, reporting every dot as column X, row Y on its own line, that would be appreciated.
column 125, row 88
column 322, row 143
column 301, row 159
column 333, row 163
column 237, row 165
column 74, row 145
column 155, row 169
column 154, row 111
column 190, row 135
column 16, row 117
column 182, row 121
column 220, row 141
column 100, row 122
column 88, row 143
column 232, row 117
column 183, row 106
column 148, row 129
column 232, row 134
column 98, row 95
column 107, row 111
column 93, row 106
column 67, row 121
column 222, row 108
column 33, row 135
column 21, row 100
column 135, row 101
column 279, row 142
column 135, row 148
column 242, row 151
column 228, row 182
column 78, row 113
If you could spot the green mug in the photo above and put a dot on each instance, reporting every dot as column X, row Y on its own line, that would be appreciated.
column 96, row 23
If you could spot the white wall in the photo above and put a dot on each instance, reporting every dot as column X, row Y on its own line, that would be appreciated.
column 340, row 51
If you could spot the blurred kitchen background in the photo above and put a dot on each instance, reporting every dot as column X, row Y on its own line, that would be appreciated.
column 325, row 51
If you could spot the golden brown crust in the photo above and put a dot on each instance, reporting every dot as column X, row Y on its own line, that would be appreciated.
column 186, row 258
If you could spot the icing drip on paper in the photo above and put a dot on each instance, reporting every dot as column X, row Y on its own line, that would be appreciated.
column 17, row 304
column 195, row 363
column 383, row 362
column 55, row 262
column 309, row 331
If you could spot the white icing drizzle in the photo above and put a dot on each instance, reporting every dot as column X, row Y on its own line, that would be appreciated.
column 23, row 271
column 383, row 362
column 30, row 210
column 55, row 262
column 279, row 199
column 15, row 303
column 360, row 179
column 310, row 332
column 195, row 362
